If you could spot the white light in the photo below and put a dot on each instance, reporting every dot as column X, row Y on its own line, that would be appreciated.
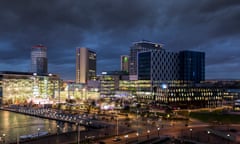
column 164, row 86
column 104, row 73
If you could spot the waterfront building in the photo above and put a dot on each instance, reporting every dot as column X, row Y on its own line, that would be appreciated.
column 137, row 47
column 139, row 89
column 188, row 95
column 85, row 65
column 27, row 87
column 125, row 63
column 109, row 82
column 39, row 61
column 192, row 66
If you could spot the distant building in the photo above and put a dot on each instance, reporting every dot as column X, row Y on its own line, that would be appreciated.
column 192, row 66
column 39, row 61
column 125, row 63
column 85, row 65
column 137, row 47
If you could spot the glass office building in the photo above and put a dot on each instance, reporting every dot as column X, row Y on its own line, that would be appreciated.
column 24, row 87
column 192, row 66
column 189, row 96
column 137, row 47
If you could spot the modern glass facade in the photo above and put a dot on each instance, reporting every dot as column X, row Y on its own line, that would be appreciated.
column 190, row 96
column 160, row 65
column 192, row 66
column 21, row 88
column 144, row 66
column 137, row 47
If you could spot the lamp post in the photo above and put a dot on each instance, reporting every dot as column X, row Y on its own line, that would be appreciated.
column 78, row 133
column 4, row 137
column 126, row 136
column 57, row 129
column 117, row 124
column 158, row 130
column 148, row 132
column 208, row 132
column 137, row 134
column 228, row 138
column 38, row 131
column 190, row 133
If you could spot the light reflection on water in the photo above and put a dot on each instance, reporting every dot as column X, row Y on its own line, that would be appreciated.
column 15, row 125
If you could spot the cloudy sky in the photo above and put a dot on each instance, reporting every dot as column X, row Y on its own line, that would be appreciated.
column 110, row 26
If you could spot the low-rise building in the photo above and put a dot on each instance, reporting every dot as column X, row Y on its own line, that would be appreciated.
column 27, row 87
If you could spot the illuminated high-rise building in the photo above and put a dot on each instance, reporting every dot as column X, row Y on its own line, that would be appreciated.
column 125, row 63
column 85, row 65
column 39, row 61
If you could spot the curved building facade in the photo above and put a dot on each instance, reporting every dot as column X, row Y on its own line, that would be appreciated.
column 39, row 62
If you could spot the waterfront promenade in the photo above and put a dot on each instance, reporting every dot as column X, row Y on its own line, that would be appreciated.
column 90, row 129
column 98, row 130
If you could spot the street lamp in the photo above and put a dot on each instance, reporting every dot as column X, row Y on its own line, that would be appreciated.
column 126, row 136
column 158, row 130
column 49, row 130
column 78, row 133
column 190, row 133
column 4, row 137
column 137, row 134
column 148, row 131
column 228, row 137
column 208, row 132
column 57, row 129
column 38, row 131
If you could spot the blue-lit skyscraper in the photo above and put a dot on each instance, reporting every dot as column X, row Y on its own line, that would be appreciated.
column 39, row 61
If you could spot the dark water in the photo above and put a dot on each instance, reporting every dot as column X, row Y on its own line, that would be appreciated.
column 14, row 125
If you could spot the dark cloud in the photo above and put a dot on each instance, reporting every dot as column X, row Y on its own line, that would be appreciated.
column 109, row 27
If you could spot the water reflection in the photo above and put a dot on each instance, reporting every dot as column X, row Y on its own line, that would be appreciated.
column 14, row 125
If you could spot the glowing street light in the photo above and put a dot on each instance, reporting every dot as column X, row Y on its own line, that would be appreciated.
column 158, row 130
column 38, row 131
column 190, row 133
column 208, row 132
column 4, row 137
column 126, row 136
column 57, row 129
column 148, row 132
column 137, row 134
column 228, row 137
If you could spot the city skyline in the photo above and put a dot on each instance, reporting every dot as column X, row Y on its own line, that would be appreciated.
column 110, row 28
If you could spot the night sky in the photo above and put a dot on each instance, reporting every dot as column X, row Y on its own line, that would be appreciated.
column 111, row 26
